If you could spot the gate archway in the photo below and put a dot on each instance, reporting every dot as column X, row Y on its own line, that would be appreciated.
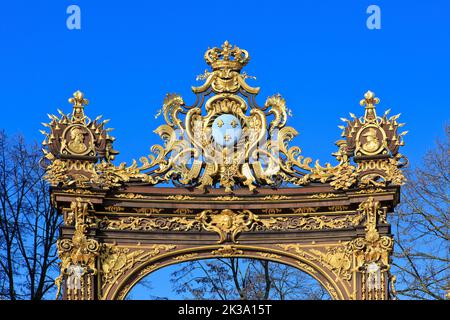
column 130, row 278
column 236, row 188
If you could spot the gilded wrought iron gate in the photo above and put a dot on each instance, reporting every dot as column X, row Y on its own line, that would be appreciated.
column 234, row 188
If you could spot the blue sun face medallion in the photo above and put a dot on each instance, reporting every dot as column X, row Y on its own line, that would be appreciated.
column 226, row 130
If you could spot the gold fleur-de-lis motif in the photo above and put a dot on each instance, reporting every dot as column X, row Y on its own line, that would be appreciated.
column 234, row 123
column 78, row 102
column 226, row 138
column 220, row 123
column 369, row 99
column 78, row 99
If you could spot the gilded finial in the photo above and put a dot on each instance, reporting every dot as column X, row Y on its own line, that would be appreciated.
column 78, row 102
column 227, row 57
column 78, row 99
column 369, row 101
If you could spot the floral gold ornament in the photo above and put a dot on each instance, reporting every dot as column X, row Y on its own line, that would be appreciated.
column 116, row 260
column 227, row 251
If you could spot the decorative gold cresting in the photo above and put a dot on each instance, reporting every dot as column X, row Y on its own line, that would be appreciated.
column 225, row 139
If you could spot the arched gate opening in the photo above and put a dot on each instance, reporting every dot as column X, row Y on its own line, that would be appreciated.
column 228, row 278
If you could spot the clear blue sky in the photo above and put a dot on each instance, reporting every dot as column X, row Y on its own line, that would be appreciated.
column 318, row 54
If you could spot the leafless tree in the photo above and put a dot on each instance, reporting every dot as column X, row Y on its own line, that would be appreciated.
column 245, row 279
column 28, row 223
column 421, row 223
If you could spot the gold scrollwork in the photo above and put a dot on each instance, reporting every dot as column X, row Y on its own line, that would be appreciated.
column 129, row 195
column 323, row 196
column 183, row 211
column 149, row 211
column 269, row 255
column 276, row 197
column 271, row 210
column 179, row 197
column 304, row 210
column 185, row 257
column 79, row 251
column 332, row 291
column 227, row 198
column 370, row 191
column 372, row 252
column 227, row 251
column 158, row 223
column 338, row 259
column 301, row 252
column 78, row 191
column 229, row 224
column 338, row 208
column 114, row 209
column 115, row 261
column 149, row 269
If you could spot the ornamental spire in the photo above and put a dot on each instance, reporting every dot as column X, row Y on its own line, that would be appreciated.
column 370, row 101
column 78, row 102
